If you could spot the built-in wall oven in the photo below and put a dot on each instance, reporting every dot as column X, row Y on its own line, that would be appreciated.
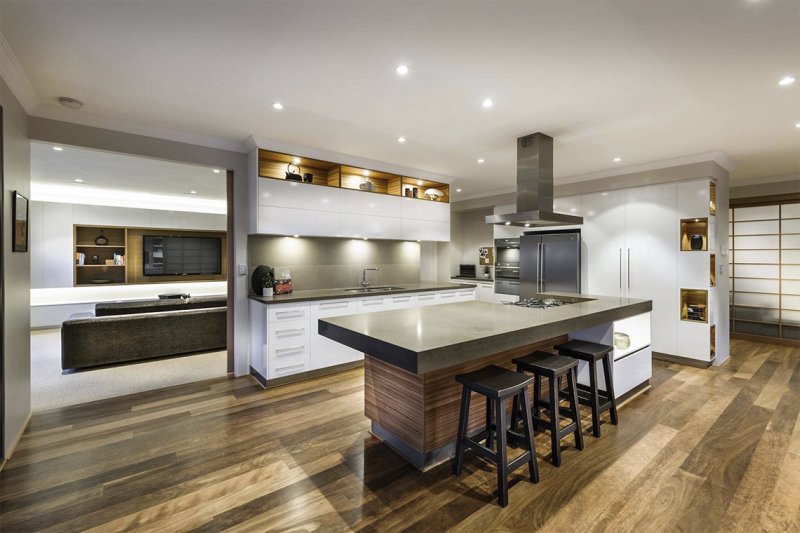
column 506, row 266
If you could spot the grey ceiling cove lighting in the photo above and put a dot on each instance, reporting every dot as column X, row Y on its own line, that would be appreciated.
column 71, row 103
column 535, row 187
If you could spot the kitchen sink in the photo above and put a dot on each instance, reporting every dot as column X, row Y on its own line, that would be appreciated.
column 374, row 289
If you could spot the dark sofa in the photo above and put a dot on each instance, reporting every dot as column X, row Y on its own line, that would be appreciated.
column 120, row 332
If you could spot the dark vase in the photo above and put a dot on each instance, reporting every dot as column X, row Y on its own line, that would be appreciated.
column 696, row 241
column 101, row 240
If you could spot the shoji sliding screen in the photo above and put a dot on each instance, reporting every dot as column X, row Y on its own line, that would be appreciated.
column 765, row 270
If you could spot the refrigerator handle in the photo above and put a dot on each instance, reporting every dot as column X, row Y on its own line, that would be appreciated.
column 629, row 269
column 620, row 269
column 541, row 269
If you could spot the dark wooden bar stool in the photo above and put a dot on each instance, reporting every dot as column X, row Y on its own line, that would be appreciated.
column 554, row 368
column 496, row 384
column 599, row 400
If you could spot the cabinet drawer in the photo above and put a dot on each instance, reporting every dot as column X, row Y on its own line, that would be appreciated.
column 368, row 305
column 447, row 297
column 426, row 298
column 282, row 368
column 466, row 295
column 329, row 308
column 402, row 301
column 289, row 333
column 283, row 313
column 292, row 352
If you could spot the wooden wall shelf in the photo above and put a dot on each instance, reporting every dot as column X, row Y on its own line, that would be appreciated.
column 128, row 243
column 713, row 270
column 712, row 198
column 694, row 305
column 694, row 226
column 713, row 339
column 273, row 165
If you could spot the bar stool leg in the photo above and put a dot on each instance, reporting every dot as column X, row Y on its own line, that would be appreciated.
column 609, row 377
column 594, row 397
column 554, row 425
column 462, row 430
column 516, row 414
column 502, row 453
column 537, row 395
column 527, row 423
column 489, row 422
column 572, row 385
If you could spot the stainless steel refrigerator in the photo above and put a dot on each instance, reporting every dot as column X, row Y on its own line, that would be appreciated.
column 549, row 262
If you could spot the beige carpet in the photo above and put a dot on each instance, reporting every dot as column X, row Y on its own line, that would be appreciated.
column 51, row 389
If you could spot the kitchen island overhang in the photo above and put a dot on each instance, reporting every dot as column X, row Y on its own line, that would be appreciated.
column 413, row 355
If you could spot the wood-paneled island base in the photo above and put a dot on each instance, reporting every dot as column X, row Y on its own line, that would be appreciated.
column 417, row 415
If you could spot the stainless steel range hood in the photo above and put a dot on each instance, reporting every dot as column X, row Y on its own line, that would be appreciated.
column 535, row 187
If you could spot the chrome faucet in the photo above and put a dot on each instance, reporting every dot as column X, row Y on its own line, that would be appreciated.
column 364, row 282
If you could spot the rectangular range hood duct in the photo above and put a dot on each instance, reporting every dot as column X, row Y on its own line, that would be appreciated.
column 535, row 187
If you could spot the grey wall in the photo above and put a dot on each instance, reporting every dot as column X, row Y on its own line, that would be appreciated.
column 16, row 276
column 89, row 137
column 472, row 232
column 328, row 263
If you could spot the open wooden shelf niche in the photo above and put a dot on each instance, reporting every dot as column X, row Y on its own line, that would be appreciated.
column 697, row 298
column 713, row 270
column 712, row 198
column 694, row 226
column 273, row 165
column 85, row 243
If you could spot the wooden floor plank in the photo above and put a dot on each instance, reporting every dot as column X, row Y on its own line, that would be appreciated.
column 714, row 449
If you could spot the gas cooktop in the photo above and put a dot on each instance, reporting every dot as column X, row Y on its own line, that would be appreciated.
column 540, row 303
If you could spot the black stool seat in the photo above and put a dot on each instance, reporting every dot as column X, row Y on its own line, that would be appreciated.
column 584, row 350
column 494, row 381
column 553, row 368
column 496, row 384
column 599, row 400
column 545, row 363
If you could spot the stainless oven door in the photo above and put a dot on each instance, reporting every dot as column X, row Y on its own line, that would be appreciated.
column 506, row 287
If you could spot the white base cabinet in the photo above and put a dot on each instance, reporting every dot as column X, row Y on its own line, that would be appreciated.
column 285, row 340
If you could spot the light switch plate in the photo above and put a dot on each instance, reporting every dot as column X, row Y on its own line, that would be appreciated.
column 242, row 270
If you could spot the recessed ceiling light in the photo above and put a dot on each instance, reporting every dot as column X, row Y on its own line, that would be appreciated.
column 401, row 139
column 77, row 180
column 487, row 103
column 458, row 190
column 58, row 149
column 617, row 159
column 365, row 238
column 787, row 80
column 277, row 105
column 297, row 160
column 419, row 240
column 296, row 236
column 527, row 225
column 192, row 192
column 71, row 103
column 481, row 160
column 402, row 69
column 797, row 125
column 216, row 171
column 508, row 223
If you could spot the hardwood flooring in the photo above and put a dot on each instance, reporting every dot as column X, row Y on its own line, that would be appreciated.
column 704, row 450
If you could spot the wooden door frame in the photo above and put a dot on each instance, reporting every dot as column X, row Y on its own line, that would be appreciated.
column 230, row 243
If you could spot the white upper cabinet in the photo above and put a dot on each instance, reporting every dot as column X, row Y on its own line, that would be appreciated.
column 290, row 221
column 292, row 208
column 357, row 202
column 414, row 209
column 373, row 227
column 281, row 193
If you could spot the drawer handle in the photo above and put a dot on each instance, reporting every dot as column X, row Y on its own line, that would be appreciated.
column 290, row 331
column 451, row 295
column 334, row 306
column 373, row 303
column 282, row 368
column 290, row 313
column 427, row 297
column 401, row 298
column 292, row 349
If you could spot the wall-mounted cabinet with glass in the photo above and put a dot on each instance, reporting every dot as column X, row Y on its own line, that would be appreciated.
column 765, row 271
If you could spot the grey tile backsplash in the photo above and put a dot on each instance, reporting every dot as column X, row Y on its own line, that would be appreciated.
column 330, row 263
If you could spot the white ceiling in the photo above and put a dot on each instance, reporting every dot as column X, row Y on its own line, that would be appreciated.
column 645, row 81
column 122, row 180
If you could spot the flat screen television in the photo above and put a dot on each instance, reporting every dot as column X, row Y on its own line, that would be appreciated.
column 167, row 255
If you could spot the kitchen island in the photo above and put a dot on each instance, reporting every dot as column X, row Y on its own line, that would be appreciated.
column 413, row 355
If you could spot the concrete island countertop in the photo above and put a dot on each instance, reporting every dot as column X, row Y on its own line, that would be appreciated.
column 333, row 294
column 425, row 339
